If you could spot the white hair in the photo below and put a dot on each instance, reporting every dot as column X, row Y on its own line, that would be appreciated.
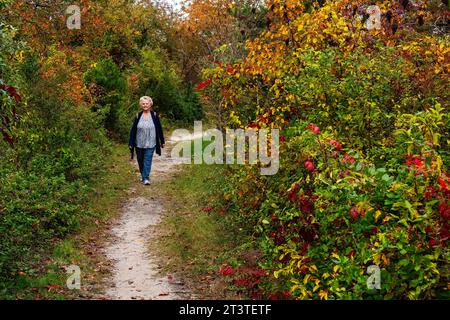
column 146, row 98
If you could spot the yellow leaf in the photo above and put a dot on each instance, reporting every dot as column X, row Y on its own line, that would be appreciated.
column 323, row 295
column 305, row 280
column 376, row 258
column 377, row 214
column 335, row 269
column 276, row 274
column 334, row 255
column 295, row 287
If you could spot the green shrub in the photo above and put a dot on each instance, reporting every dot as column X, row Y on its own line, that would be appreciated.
column 108, row 87
column 159, row 78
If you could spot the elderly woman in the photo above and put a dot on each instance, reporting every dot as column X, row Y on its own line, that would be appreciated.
column 146, row 135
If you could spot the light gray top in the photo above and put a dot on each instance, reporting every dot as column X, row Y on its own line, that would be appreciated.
column 146, row 133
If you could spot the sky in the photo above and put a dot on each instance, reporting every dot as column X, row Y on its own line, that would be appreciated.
column 175, row 3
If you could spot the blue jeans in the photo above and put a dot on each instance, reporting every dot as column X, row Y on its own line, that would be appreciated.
column 145, row 158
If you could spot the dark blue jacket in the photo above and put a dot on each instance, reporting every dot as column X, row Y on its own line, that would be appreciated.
column 158, row 129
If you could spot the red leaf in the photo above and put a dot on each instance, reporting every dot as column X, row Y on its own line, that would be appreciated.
column 309, row 166
column 53, row 287
column 348, row 159
column 227, row 271
column 11, row 91
column 203, row 84
column 313, row 128
column 354, row 212
column 336, row 144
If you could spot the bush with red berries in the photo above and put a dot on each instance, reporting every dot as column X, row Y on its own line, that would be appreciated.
column 342, row 213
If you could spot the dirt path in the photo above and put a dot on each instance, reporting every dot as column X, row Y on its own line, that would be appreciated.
column 134, row 269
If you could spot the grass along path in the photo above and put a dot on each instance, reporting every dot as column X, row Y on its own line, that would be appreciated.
column 144, row 242
column 195, row 237
column 46, row 277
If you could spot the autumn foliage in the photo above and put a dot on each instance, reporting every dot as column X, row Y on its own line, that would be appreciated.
column 364, row 149
column 65, row 95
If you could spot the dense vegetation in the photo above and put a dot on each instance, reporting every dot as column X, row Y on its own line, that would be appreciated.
column 66, row 94
column 364, row 178
column 363, row 112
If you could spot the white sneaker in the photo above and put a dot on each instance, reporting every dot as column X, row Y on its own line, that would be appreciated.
column 146, row 182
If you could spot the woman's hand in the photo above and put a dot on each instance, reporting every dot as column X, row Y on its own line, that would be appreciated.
column 162, row 146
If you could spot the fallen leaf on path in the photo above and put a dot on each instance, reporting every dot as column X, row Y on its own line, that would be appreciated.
column 53, row 287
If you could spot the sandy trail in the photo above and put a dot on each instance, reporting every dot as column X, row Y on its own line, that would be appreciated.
column 135, row 270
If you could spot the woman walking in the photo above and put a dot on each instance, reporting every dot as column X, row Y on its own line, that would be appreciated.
column 146, row 136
